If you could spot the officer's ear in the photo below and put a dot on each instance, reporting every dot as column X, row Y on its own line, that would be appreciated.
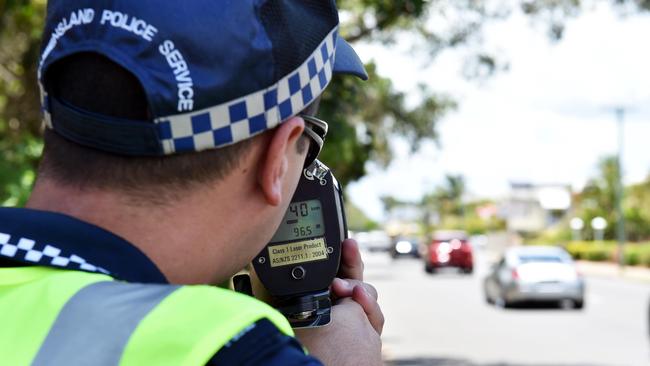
column 280, row 156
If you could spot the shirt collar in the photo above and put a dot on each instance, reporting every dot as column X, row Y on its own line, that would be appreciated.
column 55, row 240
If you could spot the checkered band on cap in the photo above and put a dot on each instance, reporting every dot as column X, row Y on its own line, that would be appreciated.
column 28, row 250
column 250, row 115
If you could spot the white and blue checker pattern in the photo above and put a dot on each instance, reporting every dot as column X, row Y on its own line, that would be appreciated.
column 250, row 115
column 28, row 250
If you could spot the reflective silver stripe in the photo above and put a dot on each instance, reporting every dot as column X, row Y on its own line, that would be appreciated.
column 95, row 325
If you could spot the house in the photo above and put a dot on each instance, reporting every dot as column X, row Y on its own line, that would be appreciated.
column 532, row 208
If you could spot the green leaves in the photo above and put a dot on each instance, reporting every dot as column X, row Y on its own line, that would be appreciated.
column 376, row 18
column 363, row 116
column 17, row 165
column 598, row 198
column 20, row 117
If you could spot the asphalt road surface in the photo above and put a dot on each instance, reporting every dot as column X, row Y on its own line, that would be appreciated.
column 442, row 319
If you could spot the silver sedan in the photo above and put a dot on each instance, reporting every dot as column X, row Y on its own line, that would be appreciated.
column 535, row 273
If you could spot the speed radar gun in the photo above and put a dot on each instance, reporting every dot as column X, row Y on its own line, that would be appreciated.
column 299, row 263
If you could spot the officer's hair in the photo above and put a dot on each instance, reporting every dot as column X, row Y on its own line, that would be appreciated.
column 96, row 84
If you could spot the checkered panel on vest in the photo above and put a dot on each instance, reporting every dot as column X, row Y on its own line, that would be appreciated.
column 245, row 117
column 28, row 250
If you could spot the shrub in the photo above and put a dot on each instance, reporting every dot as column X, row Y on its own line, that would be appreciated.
column 591, row 251
column 635, row 253
column 599, row 254
column 646, row 260
column 632, row 257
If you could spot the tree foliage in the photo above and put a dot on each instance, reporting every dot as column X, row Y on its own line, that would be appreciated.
column 357, row 219
column 363, row 115
column 20, row 143
column 447, row 199
column 598, row 199
column 637, row 211
column 446, row 207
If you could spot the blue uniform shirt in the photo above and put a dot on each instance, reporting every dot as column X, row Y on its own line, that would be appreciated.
column 39, row 238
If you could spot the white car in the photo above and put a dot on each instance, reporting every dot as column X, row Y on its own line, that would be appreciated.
column 374, row 241
column 535, row 273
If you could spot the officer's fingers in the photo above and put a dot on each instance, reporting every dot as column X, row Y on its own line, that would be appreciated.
column 342, row 288
column 368, row 302
column 351, row 263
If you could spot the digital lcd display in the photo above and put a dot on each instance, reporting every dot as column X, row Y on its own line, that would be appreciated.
column 297, row 252
column 303, row 220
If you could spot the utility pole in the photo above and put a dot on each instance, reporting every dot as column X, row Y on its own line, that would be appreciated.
column 620, row 222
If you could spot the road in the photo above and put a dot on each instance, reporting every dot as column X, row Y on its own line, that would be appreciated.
column 442, row 319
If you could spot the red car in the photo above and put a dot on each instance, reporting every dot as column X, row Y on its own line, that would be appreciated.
column 449, row 249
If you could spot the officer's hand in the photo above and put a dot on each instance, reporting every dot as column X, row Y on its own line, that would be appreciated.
column 350, row 284
column 349, row 340
column 363, row 294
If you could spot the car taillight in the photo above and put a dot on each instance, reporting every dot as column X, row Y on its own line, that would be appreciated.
column 442, row 247
column 432, row 251
column 515, row 274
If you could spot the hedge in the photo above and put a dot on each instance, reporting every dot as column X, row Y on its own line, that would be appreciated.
column 635, row 253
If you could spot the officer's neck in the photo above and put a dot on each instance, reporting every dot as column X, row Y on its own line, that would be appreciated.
column 190, row 240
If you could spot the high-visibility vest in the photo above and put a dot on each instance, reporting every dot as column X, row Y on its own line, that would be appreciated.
column 59, row 317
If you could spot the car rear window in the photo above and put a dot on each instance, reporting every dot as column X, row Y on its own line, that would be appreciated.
column 541, row 258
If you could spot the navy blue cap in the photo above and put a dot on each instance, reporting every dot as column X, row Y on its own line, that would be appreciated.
column 214, row 72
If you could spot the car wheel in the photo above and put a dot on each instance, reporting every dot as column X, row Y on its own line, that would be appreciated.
column 488, row 299
column 501, row 301
column 469, row 270
column 428, row 268
column 486, row 292
column 568, row 304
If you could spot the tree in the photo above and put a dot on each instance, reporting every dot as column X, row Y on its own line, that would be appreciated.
column 598, row 198
column 357, row 219
column 362, row 116
column 20, row 144
column 445, row 208
column 637, row 211
column 445, row 202
column 556, row 13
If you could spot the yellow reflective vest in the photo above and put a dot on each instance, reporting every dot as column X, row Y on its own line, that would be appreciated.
column 59, row 317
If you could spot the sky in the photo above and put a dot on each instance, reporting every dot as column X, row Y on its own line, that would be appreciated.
column 548, row 119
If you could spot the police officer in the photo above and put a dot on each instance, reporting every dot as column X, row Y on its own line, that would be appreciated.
column 173, row 144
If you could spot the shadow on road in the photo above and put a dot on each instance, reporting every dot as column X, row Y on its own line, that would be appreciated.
column 425, row 361
column 539, row 306
column 450, row 276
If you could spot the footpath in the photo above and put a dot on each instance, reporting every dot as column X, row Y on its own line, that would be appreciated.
column 612, row 270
